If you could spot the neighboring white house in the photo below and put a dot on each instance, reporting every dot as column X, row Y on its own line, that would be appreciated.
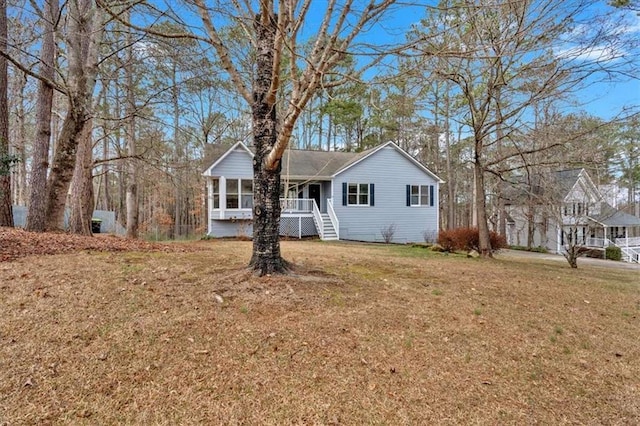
column 565, row 206
column 335, row 195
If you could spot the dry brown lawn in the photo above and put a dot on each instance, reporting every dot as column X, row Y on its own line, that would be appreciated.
column 365, row 334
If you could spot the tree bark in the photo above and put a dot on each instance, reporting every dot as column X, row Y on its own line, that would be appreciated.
column 178, row 219
column 82, row 203
column 451, row 195
column 132, row 181
column 481, row 208
column 36, row 217
column 266, row 258
column 6, row 211
column 62, row 169
column 21, row 142
column 83, row 42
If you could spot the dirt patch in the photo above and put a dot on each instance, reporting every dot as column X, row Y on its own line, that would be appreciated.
column 366, row 335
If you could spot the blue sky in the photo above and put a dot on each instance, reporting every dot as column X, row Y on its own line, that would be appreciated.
column 606, row 96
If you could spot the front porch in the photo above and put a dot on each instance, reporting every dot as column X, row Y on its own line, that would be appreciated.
column 300, row 210
column 630, row 246
column 299, row 217
column 616, row 228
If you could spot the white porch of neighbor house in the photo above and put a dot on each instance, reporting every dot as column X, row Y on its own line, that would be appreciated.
column 624, row 237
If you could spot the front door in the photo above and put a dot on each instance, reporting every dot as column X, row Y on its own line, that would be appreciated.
column 314, row 192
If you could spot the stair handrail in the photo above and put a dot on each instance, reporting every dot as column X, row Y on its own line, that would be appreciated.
column 333, row 217
column 318, row 219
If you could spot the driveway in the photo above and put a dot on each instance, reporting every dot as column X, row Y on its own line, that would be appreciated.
column 521, row 254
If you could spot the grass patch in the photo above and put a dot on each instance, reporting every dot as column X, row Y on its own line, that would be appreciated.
column 191, row 338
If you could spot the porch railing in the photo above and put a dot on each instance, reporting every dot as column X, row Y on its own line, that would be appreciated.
column 318, row 219
column 630, row 254
column 628, row 242
column 296, row 205
column 333, row 217
column 598, row 242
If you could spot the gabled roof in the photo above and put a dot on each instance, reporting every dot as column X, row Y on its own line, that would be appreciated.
column 370, row 152
column 552, row 186
column 215, row 153
column 306, row 164
column 610, row 216
column 565, row 180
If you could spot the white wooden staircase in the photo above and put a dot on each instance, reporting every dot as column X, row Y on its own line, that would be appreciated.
column 328, row 230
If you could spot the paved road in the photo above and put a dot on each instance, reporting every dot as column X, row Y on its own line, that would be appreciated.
column 558, row 257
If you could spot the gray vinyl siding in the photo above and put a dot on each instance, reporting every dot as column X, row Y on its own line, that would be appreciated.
column 390, row 172
column 237, row 164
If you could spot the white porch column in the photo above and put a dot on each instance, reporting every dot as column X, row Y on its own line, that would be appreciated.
column 209, row 183
column 223, row 196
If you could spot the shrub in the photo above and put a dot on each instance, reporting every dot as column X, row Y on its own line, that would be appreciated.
column 468, row 239
column 613, row 253
column 388, row 232
column 429, row 237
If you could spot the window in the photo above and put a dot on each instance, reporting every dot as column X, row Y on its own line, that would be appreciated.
column 358, row 194
column 246, row 188
column 232, row 193
column 419, row 195
column 215, row 194
column 239, row 194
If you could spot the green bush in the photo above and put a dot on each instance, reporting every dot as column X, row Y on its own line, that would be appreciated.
column 613, row 253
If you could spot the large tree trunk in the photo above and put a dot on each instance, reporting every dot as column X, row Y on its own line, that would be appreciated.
column 6, row 212
column 266, row 257
column 21, row 142
column 83, row 43
column 62, row 169
column 451, row 196
column 481, row 210
column 132, row 181
column 82, row 185
column 178, row 189
column 36, row 217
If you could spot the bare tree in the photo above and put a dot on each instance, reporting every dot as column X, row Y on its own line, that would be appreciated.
column 132, row 199
column 81, row 202
column 6, row 212
column 36, row 217
column 506, row 57
column 85, row 29
column 282, row 77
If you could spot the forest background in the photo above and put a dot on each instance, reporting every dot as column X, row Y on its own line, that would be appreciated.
column 142, row 106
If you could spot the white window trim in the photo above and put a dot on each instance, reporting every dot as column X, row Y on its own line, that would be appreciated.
column 419, row 196
column 222, row 195
column 358, row 195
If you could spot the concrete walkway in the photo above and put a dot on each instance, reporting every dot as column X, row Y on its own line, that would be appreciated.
column 521, row 254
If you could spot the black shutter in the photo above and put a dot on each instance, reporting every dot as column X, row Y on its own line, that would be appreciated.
column 344, row 193
column 408, row 195
column 372, row 198
column 431, row 195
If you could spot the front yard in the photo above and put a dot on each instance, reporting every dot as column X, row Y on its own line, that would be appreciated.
column 365, row 334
